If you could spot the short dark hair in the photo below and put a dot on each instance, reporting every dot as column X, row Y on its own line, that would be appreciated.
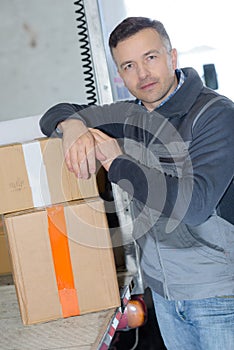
column 132, row 25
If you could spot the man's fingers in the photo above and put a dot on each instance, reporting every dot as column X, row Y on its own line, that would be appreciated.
column 84, row 170
column 91, row 160
column 99, row 135
column 82, row 154
column 99, row 155
column 68, row 162
column 80, row 157
column 72, row 161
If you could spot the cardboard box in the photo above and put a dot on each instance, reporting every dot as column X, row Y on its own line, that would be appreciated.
column 63, row 262
column 34, row 174
column 5, row 263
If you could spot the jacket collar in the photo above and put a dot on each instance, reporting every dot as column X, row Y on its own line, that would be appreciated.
column 185, row 97
column 180, row 103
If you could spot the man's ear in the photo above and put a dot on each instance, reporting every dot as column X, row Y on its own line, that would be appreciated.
column 174, row 58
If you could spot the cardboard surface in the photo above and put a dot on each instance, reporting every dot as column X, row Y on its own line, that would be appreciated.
column 5, row 263
column 83, row 272
column 34, row 175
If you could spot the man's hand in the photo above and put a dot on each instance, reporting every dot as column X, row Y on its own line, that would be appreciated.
column 107, row 148
column 79, row 148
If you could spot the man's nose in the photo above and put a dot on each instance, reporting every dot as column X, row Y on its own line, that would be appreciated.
column 142, row 71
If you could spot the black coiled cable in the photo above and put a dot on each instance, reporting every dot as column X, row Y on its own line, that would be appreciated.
column 85, row 53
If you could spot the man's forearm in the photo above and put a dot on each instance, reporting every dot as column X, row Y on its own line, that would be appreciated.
column 108, row 118
column 57, row 114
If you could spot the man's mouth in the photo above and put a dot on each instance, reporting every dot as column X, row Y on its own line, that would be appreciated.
column 148, row 86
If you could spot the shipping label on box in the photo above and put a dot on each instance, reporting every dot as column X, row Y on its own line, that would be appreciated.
column 63, row 262
column 34, row 174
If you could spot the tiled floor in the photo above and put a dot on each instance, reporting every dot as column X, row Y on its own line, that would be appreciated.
column 147, row 337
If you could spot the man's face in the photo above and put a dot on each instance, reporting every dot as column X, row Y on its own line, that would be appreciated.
column 146, row 67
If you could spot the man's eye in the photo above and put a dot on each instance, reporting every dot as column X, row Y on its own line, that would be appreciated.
column 128, row 66
column 151, row 57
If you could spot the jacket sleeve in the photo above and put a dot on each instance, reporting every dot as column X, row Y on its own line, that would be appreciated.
column 107, row 118
column 56, row 114
column 206, row 174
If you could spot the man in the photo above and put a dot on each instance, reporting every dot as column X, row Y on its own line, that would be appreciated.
column 172, row 151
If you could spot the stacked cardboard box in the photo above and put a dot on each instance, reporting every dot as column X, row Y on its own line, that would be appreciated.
column 58, row 235
column 5, row 263
column 34, row 174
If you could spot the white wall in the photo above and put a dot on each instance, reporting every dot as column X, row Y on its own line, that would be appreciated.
column 20, row 130
column 40, row 61
column 201, row 30
column 109, row 19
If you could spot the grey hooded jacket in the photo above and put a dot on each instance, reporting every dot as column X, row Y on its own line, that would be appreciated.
column 177, row 167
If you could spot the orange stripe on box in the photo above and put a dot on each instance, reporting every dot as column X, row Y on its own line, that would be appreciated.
column 62, row 261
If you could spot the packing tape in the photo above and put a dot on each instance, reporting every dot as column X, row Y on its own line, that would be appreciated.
column 62, row 261
column 36, row 174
